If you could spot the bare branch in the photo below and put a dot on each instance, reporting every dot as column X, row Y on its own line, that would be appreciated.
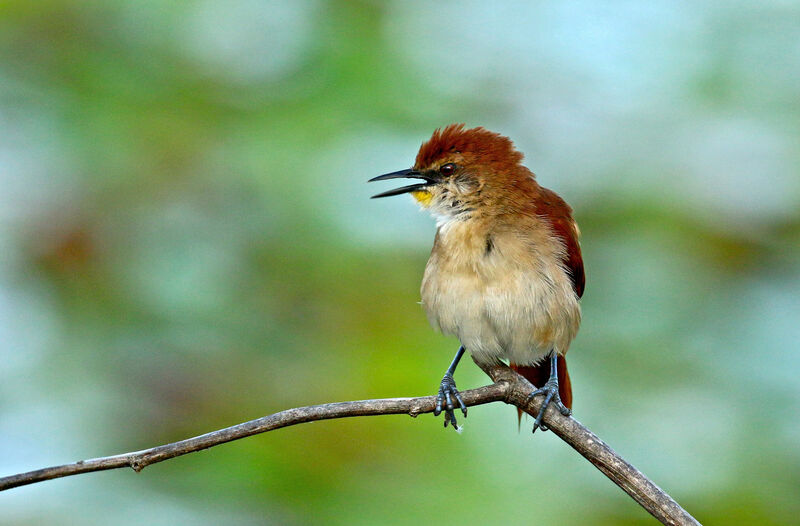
column 508, row 387
column 138, row 460
column 632, row 481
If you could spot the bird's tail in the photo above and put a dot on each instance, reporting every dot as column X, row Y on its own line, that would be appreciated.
column 539, row 374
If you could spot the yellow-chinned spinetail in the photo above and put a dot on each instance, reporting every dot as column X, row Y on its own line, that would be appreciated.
column 505, row 275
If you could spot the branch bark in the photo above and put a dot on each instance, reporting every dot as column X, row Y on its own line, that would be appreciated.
column 508, row 387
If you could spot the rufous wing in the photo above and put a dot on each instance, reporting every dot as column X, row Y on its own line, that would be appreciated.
column 550, row 206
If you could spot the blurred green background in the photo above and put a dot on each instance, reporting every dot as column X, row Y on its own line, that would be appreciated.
column 186, row 242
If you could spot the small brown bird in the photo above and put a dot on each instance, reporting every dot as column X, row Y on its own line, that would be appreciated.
column 505, row 273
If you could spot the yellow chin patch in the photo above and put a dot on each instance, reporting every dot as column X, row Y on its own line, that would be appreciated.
column 423, row 197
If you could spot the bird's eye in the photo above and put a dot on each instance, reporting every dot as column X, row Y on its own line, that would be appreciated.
column 447, row 169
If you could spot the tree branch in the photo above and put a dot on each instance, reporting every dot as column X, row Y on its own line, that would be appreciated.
column 508, row 387
column 632, row 481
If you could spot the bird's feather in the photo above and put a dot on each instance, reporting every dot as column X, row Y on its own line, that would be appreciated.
column 559, row 214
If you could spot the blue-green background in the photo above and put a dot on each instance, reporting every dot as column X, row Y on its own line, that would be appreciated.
column 186, row 242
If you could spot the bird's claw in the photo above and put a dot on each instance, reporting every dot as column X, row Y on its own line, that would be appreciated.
column 550, row 392
column 445, row 400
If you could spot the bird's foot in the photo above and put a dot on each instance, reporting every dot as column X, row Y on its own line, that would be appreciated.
column 550, row 392
column 447, row 399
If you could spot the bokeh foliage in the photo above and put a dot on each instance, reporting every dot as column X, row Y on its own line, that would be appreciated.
column 187, row 242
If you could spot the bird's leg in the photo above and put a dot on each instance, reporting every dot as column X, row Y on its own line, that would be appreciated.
column 448, row 394
column 550, row 392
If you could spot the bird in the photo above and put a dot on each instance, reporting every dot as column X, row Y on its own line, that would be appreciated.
column 505, row 274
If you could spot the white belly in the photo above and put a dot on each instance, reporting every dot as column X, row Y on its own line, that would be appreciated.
column 502, row 307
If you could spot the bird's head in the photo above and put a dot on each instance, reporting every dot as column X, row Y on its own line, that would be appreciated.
column 463, row 170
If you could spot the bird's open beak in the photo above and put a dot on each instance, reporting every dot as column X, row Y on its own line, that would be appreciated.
column 410, row 173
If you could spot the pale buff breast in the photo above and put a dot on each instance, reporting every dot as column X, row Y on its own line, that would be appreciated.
column 503, row 294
